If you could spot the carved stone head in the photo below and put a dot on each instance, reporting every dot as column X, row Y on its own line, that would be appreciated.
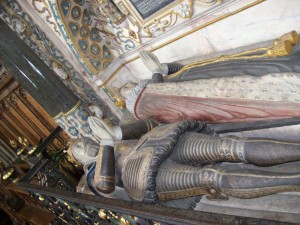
column 84, row 150
column 126, row 89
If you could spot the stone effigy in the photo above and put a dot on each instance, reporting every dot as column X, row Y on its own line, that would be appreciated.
column 260, row 84
column 175, row 164
column 183, row 161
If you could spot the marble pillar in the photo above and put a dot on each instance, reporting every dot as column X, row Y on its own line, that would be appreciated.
column 43, row 85
column 19, row 60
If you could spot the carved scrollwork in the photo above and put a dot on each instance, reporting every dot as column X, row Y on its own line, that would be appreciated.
column 183, row 10
column 108, row 9
column 13, row 99
column 149, row 20
column 225, row 150
column 41, row 7
column 20, row 26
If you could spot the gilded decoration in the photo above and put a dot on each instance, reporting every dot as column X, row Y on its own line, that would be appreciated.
column 43, row 9
column 137, row 21
column 90, row 41
column 114, row 21
column 150, row 19
column 114, row 75
column 155, row 16
column 280, row 47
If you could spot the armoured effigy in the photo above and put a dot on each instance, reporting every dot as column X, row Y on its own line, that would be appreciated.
column 176, row 163
column 259, row 84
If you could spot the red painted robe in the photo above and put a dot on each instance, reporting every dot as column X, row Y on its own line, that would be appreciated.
column 219, row 100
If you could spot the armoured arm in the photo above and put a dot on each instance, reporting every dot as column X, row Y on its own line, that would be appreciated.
column 132, row 130
column 137, row 129
column 104, row 178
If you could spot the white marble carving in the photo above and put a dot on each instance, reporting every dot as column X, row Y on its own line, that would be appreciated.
column 262, row 22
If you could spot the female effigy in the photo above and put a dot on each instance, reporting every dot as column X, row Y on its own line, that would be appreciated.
column 256, row 85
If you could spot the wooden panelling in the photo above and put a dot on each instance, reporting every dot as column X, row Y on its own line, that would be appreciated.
column 17, row 123
column 22, row 116
column 35, row 108
column 5, row 132
column 28, row 116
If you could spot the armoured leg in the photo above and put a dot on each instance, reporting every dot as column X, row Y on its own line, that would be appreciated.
column 175, row 181
column 199, row 149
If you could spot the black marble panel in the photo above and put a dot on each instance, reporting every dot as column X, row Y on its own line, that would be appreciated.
column 146, row 8
column 33, row 74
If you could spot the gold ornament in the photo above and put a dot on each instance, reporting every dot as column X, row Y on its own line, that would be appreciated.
column 291, row 37
column 281, row 48
column 41, row 198
column 13, row 143
column 102, row 214
column 8, row 173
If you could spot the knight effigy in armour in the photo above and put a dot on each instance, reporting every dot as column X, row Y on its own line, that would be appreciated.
column 183, row 161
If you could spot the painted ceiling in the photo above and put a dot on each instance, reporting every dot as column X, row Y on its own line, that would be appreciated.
column 89, row 39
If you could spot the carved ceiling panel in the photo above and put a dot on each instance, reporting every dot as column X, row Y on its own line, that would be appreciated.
column 90, row 40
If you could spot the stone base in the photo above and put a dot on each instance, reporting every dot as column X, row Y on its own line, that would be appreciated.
column 282, row 207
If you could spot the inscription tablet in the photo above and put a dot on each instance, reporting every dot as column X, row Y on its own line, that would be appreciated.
column 146, row 8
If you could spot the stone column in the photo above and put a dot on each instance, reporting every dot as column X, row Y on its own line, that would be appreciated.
column 43, row 85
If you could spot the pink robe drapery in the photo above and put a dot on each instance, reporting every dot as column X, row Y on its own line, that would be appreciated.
column 219, row 100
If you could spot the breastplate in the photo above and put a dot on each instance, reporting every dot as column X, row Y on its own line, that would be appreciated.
column 142, row 164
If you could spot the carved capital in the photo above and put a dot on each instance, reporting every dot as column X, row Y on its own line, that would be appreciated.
column 23, row 93
column 4, row 105
column 13, row 99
